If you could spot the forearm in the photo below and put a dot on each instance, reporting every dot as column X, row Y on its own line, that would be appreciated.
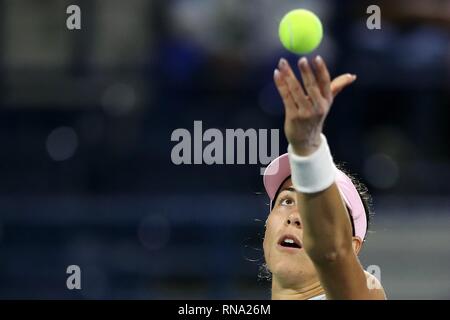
column 327, row 229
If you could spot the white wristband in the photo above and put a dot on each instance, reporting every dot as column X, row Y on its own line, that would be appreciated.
column 315, row 172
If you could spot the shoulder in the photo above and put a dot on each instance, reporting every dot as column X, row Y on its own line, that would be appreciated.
column 376, row 290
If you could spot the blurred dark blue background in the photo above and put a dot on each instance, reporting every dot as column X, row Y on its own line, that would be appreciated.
column 85, row 132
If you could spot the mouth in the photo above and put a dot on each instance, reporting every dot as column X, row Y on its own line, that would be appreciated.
column 290, row 242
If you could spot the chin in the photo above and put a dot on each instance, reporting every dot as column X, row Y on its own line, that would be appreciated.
column 288, row 269
column 293, row 270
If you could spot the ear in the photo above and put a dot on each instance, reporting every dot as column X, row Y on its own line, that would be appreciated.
column 356, row 244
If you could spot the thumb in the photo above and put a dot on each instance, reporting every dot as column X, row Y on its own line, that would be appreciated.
column 341, row 82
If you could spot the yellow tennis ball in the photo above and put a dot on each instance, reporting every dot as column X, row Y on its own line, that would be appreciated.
column 300, row 31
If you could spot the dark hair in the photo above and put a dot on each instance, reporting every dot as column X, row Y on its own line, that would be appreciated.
column 264, row 272
column 363, row 192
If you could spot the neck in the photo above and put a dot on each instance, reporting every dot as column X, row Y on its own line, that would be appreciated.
column 302, row 292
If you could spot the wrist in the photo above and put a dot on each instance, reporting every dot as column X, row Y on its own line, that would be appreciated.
column 306, row 148
column 315, row 172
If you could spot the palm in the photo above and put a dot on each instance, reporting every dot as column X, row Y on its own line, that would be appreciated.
column 307, row 106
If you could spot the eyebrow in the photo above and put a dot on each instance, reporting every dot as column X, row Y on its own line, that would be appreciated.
column 287, row 189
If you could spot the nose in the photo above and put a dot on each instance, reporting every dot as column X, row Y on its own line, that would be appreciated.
column 293, row 219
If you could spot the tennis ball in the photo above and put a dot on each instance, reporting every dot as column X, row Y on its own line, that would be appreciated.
column 300, row 31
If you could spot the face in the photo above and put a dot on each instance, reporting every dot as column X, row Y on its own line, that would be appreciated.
column 283, row 251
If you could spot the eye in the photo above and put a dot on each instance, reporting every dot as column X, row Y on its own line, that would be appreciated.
column 286, row 201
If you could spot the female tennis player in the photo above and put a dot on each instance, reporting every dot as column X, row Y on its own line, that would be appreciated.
column 318, row 221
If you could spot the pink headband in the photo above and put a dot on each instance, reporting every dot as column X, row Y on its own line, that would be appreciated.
column 279, row 170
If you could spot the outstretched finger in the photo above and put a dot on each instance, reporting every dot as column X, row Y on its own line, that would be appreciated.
column 309, row 80
column 339, row 83
column 294, row 85
column 323, row 77
column 283, row 90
